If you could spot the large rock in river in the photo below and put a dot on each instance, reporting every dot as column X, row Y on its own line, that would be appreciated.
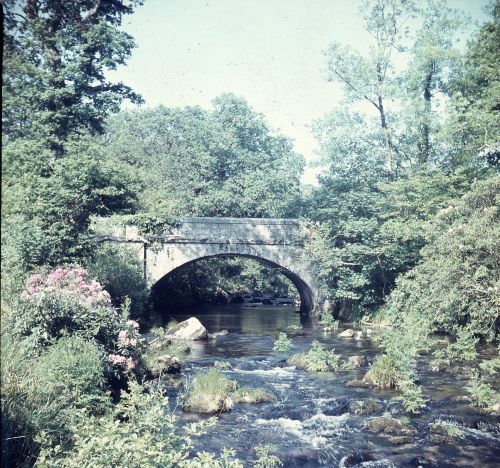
column 190, row 329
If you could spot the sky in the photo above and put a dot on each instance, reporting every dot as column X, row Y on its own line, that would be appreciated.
column 271, row 52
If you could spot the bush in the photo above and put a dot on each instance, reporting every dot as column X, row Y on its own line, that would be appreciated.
column 139, row 432
column 266, row 460
column 208, row 392
column 282, row 343
column 65, row 302
column 42, row 394
column 317, row 359
column 483, row 395
column 328, row 323
column 463, row 349
column 457, row 282
column 411, row 397
column 385, row 373
column 120, row 272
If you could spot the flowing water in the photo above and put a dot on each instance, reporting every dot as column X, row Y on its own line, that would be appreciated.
column 309, row 424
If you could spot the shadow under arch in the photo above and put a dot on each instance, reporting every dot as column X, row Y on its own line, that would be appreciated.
column 303, row 289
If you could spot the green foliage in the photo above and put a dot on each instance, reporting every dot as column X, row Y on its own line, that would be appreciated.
column 282, row 343
column 120, row 272
column 56, row 57
column 42, row 394
column 482, row 394
column 456, row 284
column 208, row 392
column 140, row 431
column 266, row 460
column 58, row 198
column 317, row 359
column 73, row 368
column 462, row 349
column 473, row 125
column 225, row 460
column 384, row 373
column 224, row 162
column 328, row 323
column 251, row 395
column 491, row 366
column 411, row 397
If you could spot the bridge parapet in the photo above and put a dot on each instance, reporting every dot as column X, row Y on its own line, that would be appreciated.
column 278, row 243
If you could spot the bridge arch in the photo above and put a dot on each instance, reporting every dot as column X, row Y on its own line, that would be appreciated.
column 304, row 290
column 273, row 241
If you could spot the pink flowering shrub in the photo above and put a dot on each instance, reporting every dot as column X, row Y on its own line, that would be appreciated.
column 66, row 301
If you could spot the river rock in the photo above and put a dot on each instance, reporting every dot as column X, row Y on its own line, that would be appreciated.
column 422, row 461
column 190, row 329
column 209, row 404
column 365, row 407
column 400, row 440
column 222, row 365
column 357, row 361
column 390, row 426
column 356, row 383
column 171, row 363
column 444, row 433
column 358, row 336
column 349, row 333
column 214, row 336
column 356, row 459
column 462, row 372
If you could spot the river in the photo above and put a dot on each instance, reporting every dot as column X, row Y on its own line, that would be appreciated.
column 310, row 424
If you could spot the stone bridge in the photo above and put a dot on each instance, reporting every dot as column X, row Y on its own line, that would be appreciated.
column 278, row 243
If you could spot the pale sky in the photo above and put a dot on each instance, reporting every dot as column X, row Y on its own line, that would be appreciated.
column 268, row 51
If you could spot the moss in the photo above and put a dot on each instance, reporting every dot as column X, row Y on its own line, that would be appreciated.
column 393, row 426
column 209, row 392
column 368, row 406
column 160, row 348
column 252, row 395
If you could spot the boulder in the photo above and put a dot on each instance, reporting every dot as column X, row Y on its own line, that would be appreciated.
column 222, row 365
column 357, row 361
column 349, row 333
column 364, row 407
column 190, row 329
column 390, row 426
column 359, row 336
column 356, row 383
column 442, row 434
column 171, row 363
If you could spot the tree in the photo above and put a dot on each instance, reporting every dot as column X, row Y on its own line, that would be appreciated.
column 456, row 284
column 433, row 56
column 56, row 54
column 56, row 210
column 224, row 162
column 473, row 125
column 372, row 79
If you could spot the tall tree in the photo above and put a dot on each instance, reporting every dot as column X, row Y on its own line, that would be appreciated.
column 372, row 79
column 224, row 162
column 473, row 127
column 434, row 55
column 56, row 54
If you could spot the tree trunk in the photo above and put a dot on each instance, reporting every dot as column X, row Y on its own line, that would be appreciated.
column 389, row 160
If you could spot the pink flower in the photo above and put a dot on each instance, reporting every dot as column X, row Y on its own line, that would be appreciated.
column 126, row 363
column 133, row 324
column 117, row 359
column 131, row 364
